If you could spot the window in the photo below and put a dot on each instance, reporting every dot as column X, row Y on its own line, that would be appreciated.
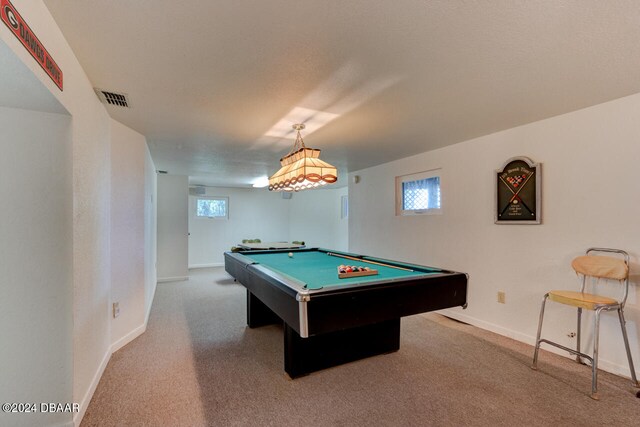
column 418, row 193
column 212, row 207
column 344, row 207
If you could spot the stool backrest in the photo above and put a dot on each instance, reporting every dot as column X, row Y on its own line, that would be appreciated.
column 604, row 267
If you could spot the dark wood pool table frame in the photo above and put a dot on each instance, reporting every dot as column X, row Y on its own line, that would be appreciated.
column 335, row 325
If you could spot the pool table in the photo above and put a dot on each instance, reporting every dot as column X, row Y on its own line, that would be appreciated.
column 328, row 320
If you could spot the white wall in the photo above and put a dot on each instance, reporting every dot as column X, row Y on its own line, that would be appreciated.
column 253, row 214
column 90, row 171
column 590, row 198
column 128, row 155
column 312, row 216
column 150, row 231
column 315, row 218
column 90, row 136
column 36, row 276
column 172, row 227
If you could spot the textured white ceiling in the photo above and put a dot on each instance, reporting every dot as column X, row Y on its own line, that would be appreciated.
column 213, row 82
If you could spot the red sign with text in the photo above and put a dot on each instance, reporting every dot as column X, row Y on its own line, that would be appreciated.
column 23, row 32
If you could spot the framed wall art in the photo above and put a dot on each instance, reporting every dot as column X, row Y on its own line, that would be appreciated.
column 518, row 192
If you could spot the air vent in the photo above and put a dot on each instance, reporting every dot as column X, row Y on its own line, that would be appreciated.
column 112, row 98
column 197, row 191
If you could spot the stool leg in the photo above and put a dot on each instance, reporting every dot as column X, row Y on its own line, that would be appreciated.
column 578, row 358
column 535, row 353
column 626, row 346
column 594, row 374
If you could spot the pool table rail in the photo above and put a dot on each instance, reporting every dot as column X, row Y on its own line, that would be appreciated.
column 301, row 287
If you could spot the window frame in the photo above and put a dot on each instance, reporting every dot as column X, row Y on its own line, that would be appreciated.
column 344, row 206
column 219, row 218
column 432, row 173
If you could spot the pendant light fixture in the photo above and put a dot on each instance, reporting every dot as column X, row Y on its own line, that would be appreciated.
column 302, row 168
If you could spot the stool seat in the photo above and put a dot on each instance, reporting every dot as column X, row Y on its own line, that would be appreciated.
column 581, row 299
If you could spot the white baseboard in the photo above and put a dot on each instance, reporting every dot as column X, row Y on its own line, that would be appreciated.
column 605, row 365
column 128, row 338
column 84, row 403
column 173, row 279
column 463, row 317
column 153, row 295
column 77, row 419
column 213, row 264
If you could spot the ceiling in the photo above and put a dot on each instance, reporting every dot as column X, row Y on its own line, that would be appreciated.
column 215, row 85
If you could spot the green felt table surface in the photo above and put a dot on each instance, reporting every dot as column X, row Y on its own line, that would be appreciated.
column 316, row 269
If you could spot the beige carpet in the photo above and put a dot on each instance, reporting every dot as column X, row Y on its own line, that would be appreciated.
column 199, row 365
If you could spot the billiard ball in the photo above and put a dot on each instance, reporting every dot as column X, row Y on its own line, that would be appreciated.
column 290, row 254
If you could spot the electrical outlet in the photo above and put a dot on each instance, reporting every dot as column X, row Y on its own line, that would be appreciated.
column 116, row 309
column 571, row 334
column 502, row 297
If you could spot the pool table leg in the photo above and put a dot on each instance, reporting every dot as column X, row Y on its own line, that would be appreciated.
column 305, row 355
column 258, row 314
